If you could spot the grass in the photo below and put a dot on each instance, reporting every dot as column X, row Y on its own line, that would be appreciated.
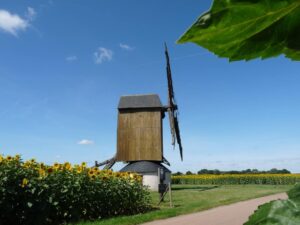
column 194, row 198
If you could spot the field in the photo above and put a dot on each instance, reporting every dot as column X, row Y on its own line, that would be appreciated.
column 233, row 179
column 194, row 198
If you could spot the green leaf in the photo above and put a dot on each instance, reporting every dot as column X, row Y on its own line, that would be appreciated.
column 294, row 193
column 280, row 212
column 29, row 204
column 248, row 29
column 33, row 190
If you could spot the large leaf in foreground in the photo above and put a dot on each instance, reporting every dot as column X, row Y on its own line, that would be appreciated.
column 248, row 29
column 294, row 193
column 281, row 212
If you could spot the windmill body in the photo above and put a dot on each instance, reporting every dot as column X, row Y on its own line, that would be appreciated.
column 140, row 137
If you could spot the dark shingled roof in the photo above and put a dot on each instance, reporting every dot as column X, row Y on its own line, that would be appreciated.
column 139, row 101
column 144, row 167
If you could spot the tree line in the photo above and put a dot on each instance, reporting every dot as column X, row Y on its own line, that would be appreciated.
column 247, row 171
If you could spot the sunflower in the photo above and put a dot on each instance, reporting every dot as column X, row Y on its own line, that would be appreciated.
column 67, row 166
column 95, row 169
column 42, row 173
column 26, row 164
column 42, row 166
column 56, row 166
column 17, row 157
column 24, row 183
column 78, row 169
column 50, row 170
column 9, row 158
column 91, row 173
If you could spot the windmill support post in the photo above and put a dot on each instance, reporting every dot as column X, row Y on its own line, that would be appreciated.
column 108, row 164
column 168, row 189
column 164, row 188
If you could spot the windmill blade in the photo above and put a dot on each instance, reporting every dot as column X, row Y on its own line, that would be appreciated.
column 172, row 107
column 171, row 98
column 178, row 138
column 172, row 126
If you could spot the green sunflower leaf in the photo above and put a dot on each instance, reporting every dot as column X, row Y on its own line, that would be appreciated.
column 248, row 29
column 280, row 212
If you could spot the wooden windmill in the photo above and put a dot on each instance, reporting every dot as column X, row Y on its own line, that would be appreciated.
column 140, row 130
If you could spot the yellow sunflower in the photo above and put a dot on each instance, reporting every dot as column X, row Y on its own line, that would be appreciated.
column 56, row 166
column 67, row 166
column 24, row 183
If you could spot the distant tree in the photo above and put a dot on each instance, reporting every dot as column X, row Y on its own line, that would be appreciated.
column 247, row 171
column 178, row 173
column 285, row 171
column 230, row 172
column 189, row 173
column 217, row 172
column 273, row 171
column 276, row 171
column 203, row 171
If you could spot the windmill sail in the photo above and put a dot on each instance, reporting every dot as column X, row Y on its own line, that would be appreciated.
column 172, row 107
column 171, row 100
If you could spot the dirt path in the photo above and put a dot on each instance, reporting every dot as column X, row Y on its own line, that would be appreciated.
column 234, row 214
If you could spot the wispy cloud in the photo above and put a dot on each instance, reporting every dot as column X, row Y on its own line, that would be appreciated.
column 12, row 23
column 102, row 55
column 71, row 58
column 85, row 142
column 126, row 47
column 31, row 13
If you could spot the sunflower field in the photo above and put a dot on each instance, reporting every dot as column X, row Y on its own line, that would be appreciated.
column 35, row 193
column 224, row 179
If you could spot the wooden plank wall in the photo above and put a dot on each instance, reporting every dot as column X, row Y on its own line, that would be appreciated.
column 139, row 136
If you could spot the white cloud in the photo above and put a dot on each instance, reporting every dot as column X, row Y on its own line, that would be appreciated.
column 126, row 47
column 12, row 23
column 31, row 13
column 103, row 54
column 85, row 142
column 71, row 58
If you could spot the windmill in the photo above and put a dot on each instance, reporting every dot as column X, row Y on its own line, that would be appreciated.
column 140, row 134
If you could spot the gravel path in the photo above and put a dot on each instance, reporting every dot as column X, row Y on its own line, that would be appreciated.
column 234, row 214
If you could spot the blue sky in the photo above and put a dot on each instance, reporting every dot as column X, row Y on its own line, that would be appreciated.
column 64, row 65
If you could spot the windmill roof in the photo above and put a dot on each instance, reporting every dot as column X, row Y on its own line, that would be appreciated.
column 139, row 101
column 144, row 167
